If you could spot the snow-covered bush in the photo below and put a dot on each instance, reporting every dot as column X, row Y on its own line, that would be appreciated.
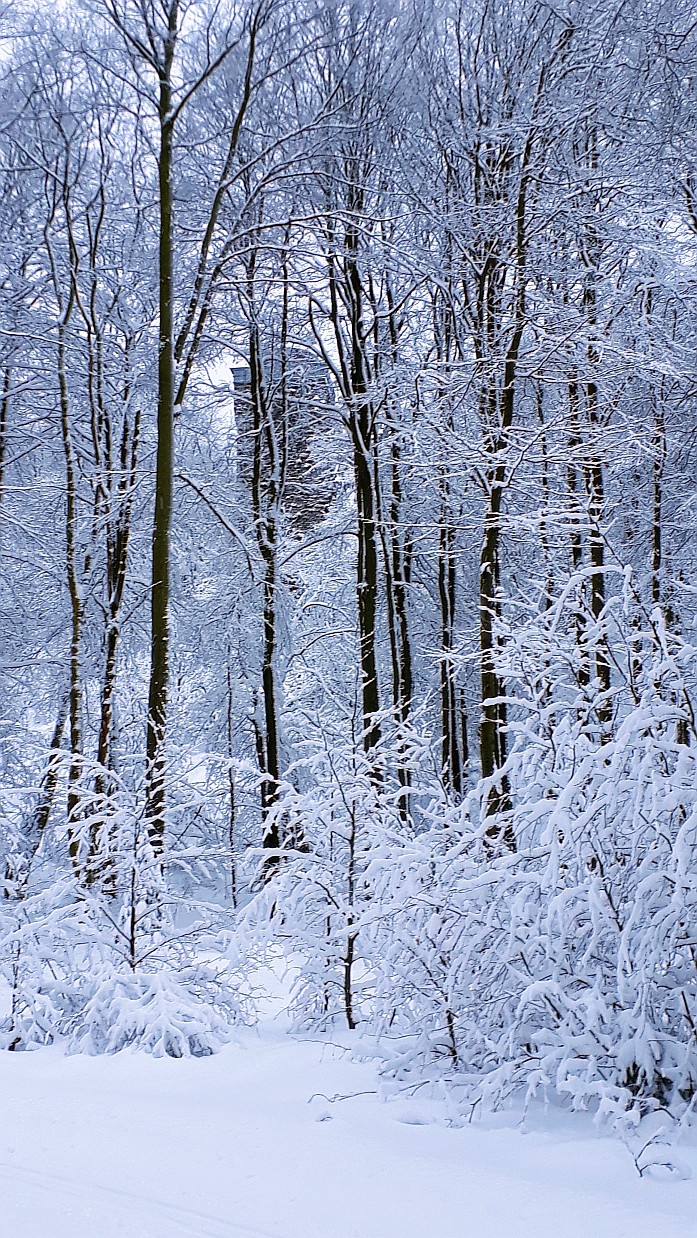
column 566, row 967
column 164, row 1012
column 111, row 956
column 68, row 971
column 314, row 900
column 337, row 807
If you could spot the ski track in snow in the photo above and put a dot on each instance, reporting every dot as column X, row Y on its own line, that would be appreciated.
column 184, row 1220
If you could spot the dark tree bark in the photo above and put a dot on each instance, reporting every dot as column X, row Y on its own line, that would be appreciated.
column 152, row 38
column 164, row 468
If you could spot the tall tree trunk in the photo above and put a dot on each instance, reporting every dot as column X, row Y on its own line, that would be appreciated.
column 658, row 466
column 118, row 538
column 159, row 641
column 353, row 373
column 452, row 762
column 267, row 490
column 396, row 545
column 362, row 426
column 499, row 408
column 576, row 521
column 546, row 503
column 396, row 559
column 232, row 804
column 593, row 470
column 492, row 727
column 76, row 603
column 595, row 489
column 366, row 573
column 449, row 695
column 4, row 414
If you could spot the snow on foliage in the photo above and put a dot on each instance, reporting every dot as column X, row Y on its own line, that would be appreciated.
column 564, row 968
column 102, row 972
column 347, row 460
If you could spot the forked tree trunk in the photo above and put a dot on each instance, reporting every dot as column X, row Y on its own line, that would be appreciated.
column 362, row 428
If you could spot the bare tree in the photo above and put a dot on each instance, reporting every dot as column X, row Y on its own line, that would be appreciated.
column 173, row 53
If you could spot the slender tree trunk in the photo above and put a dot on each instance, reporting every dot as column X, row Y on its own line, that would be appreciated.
column 117, row 566
column 351, row 933
column 266, row 487
column 659, row 461
column 4, row 414
column 345, row 288
column 546, row 505
column 583, row 671
column 17, row 873
column 450, row 700
column 396, row 567
column 499, row 409
column 268, row 678
column 363, row 440
column 366, row 573
column 401, row 571
column 396, row 547
column 232, row 806
column 492, row 727
column 76, row 604
column 595, row 489
column 450, row 703
column 159, row 646
column 593, row 470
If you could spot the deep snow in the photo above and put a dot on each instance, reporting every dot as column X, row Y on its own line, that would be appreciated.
column 242, row 1146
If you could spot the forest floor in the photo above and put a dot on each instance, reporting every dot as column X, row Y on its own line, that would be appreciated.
column 280, row 1137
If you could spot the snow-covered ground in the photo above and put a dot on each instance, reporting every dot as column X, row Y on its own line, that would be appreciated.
column 251, row 1144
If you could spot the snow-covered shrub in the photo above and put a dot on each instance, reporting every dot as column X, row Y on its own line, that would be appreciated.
column 161, row 1012
column 70, row 976
column 569, row 966
column 111, row 959
column 313, row 901
column 566, row 967
column 336, row 807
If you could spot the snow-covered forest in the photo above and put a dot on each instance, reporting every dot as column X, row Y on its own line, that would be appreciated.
column 348, row 535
